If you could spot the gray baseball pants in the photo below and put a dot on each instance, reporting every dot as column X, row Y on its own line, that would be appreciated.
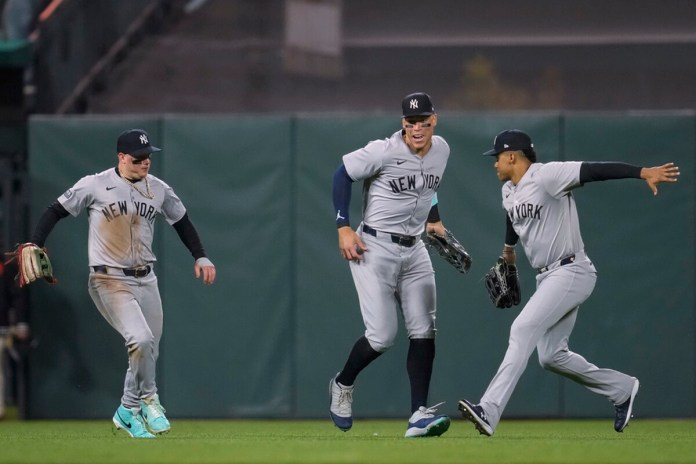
column 545, row 323
column 133, row 307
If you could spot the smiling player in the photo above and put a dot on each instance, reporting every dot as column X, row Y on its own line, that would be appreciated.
column 389, row 262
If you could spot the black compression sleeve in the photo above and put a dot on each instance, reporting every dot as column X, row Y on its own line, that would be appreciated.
column 594, row 171
column 434, row 214
column 511, row 236
column 189, row 236
column 47, row 222
column 342, row 187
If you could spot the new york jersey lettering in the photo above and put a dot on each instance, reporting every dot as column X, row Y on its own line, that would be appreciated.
column 525, row 211
column 114, row 210
column 403, row 183
column 430, row 181
column 144, row 210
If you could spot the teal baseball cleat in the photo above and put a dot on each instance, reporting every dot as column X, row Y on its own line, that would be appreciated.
column 153, row 413
column 131, row 421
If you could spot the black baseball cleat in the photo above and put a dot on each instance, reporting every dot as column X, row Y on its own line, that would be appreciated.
column 624, row 411
column 475, row 413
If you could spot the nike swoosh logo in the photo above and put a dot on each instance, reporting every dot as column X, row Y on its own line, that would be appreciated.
column 127, row 424
column 399, row 162
column 110, row 188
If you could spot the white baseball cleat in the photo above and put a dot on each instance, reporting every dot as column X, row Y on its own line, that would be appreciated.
column 424, row 423
column 341, row 407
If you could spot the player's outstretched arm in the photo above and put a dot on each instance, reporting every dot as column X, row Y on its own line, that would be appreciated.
column 666, row 173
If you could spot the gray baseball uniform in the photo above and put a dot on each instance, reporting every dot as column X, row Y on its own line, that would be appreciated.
column 544, row 215
column 398, row 192
column 121, row 227
column 390, row 265
column 123, row 204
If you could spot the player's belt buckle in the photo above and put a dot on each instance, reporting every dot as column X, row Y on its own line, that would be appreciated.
column 137, row 272
column 562, row 262
column 403, row 240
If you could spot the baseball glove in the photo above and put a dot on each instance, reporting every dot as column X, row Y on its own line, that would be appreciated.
column 450, row 249
column 503, row 284
column 33, row 264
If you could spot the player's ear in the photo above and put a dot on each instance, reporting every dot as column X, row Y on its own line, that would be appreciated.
column 434, row 120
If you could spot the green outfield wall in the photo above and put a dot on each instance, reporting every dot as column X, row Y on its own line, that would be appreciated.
column 280, row 320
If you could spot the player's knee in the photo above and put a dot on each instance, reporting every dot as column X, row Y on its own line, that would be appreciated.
column 552, row 360
column 141, row 345
column 380, row 344
column 422, row 334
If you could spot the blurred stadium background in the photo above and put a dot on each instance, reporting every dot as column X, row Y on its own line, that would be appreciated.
column 256, row 100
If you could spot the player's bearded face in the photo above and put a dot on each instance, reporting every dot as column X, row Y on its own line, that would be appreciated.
column 419, row 132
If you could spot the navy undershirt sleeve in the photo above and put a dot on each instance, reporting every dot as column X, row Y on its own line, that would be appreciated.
column 342, row 188
column 47, row 222
column 434, row 214
column 511, row 236
column 594, row 171
column 189, row 236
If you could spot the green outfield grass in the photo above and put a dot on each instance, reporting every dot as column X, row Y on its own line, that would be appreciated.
column 370, row 441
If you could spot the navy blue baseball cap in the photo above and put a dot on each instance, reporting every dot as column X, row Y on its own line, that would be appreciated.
column 510, row 140
column 417, row 104
column 135, row 142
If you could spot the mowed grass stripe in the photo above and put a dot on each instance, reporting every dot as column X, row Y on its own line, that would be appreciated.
column 370, row 441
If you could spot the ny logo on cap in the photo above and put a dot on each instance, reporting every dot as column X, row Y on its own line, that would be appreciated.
column 143, row 139
column 414, row 104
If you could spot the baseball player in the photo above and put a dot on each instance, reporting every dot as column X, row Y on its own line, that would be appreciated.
column 541, row 213
column 123, row 203
column 389, row 263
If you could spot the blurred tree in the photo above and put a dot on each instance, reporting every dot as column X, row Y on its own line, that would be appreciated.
column 482, row 88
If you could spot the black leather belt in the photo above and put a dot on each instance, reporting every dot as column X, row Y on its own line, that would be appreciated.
column 403, row 240
column 563, row 262
column 135, row 272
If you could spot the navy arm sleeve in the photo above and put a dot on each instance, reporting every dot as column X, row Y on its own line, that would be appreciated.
column 594, row 171
column 511, row 236
column 434, row 214
column 189, row 236
column 47, row 222
column 342, row 188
